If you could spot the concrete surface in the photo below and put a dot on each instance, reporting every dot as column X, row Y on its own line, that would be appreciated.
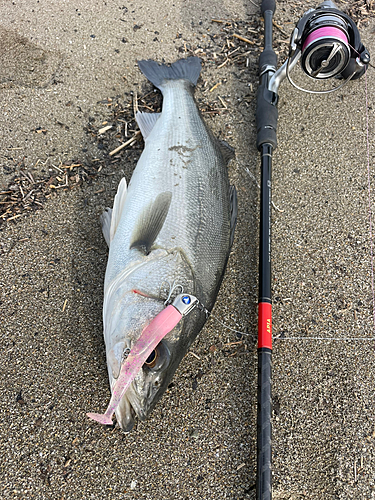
column 64, row 67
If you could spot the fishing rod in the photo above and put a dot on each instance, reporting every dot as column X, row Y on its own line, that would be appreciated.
column 328, row 45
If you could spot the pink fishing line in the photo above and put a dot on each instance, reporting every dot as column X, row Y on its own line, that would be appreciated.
column 328, row 31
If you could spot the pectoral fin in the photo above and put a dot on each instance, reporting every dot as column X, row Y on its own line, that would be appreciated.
column 151, row 222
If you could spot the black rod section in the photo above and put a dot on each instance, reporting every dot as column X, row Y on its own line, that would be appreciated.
column 265, row 225
column 266, row 118
column 264, row 448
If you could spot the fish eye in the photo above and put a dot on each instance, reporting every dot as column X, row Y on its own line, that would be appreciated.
column 158, row 359
column 151, row 360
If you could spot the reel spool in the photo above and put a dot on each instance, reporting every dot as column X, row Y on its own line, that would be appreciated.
column 329, row 45
column 325, row 51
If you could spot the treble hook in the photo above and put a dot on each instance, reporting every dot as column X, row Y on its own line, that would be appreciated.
column 172, row 288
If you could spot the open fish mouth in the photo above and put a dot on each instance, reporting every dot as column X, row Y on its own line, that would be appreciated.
column 126, row 414
column 132, row 408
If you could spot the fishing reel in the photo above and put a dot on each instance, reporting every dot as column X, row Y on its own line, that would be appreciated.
column 329, row 45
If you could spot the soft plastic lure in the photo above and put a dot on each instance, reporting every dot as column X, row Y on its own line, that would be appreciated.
column 152, row 334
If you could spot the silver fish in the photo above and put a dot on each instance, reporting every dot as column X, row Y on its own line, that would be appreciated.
column 169, row 231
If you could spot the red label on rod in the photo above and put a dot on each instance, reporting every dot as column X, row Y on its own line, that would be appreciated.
column 264, row 325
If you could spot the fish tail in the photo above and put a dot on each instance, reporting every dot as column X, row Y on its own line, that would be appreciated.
column 183, row 69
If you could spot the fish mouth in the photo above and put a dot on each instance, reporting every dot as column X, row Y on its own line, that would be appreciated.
column 125, row 414
column 129, row 409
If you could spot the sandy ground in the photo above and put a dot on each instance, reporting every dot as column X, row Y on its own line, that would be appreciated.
column 64, row 67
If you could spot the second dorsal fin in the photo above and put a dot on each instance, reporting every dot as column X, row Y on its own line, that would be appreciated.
column 146, row 122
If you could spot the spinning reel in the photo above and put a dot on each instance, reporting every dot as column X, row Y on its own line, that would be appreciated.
column 329, row 45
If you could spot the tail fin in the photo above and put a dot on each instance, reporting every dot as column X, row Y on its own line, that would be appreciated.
column 183, row 69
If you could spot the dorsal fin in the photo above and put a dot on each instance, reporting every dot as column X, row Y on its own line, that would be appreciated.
column 150, row 222
column 110, row 218
column 146, row 122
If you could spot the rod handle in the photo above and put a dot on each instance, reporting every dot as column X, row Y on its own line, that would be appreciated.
column 268, row 5
column 266, row 116
column 264, row 476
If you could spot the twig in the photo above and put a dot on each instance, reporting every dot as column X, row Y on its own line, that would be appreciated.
column 280, row 29
column 195, row 355
column 14, row 217
column 215, row 87
column 241, row 55
column 233, row 51
column 104, row 129
column 57, row 168
column 222, row 64
column 135, row 103
column 29, row 194
column 125, row 144
column 222, row 102
column 243, row 39
column 220, row 21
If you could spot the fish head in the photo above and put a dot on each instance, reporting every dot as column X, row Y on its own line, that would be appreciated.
column 124, row 325
column 155, row 375
column 128, row 309
column 146, row 389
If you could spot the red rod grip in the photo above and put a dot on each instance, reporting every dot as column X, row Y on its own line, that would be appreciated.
column 264, row 325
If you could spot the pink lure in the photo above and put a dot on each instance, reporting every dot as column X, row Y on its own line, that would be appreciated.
column 152, row 334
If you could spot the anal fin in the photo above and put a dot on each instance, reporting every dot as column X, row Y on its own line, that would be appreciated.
column 227, row 151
